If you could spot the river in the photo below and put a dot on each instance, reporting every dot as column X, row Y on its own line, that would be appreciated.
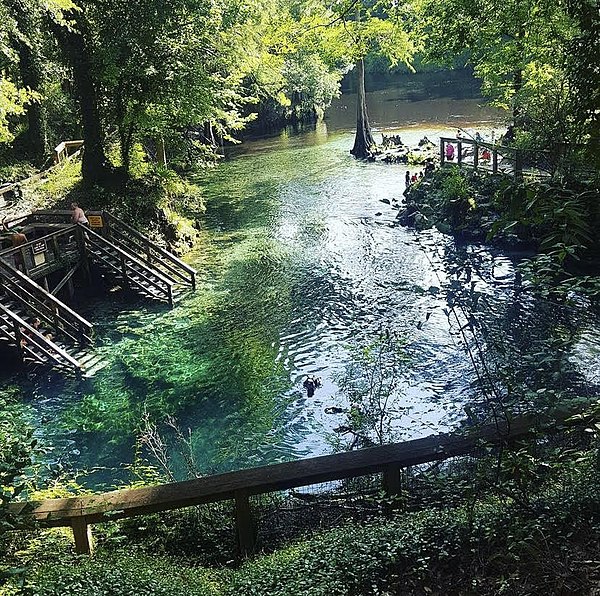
column 301, row 267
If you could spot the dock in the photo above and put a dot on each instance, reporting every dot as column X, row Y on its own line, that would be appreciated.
column 38, row 276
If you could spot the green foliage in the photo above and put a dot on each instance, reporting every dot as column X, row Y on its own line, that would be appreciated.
column 12, row 103
column 17, row 449
column 123, row 574
column 371, row 384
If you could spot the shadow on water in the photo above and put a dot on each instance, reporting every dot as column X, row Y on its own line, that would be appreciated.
column 300, row 264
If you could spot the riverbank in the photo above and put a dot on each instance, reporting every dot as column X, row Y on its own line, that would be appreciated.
column 554, row 216
column 161, row 203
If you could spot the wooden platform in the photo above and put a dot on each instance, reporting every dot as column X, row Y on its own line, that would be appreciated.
column 36, row 322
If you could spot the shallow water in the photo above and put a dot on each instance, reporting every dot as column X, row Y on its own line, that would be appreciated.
column 301, row 263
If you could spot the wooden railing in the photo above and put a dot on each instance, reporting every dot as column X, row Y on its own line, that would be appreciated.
column 30, row 342
column 37, row 257
column 120, row 232
column 67, row 150
column 128, row 238
column 481, row 155
column 79, row 512
column 40, row 303
column 127, row 265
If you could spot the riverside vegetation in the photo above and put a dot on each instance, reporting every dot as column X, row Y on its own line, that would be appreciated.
column 154, row 89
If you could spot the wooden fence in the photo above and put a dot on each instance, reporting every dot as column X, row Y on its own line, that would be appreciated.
column 67, row 150
column 79, row 512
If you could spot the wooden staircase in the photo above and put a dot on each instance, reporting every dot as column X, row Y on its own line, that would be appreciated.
column 45, row 330
column 126, row 268
column 180, row 275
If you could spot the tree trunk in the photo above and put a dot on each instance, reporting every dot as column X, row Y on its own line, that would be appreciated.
column 31, row 72
column 517, row 86
column 363, row 142
column 161, row 154
column 94, row 167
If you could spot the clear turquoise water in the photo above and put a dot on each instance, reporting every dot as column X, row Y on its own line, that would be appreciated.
column 300, row 263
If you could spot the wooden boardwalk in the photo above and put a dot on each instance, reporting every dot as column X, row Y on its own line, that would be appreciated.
column 496, row 159
column 36, row 322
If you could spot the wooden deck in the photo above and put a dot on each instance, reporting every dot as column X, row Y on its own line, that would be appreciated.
column 36, row 322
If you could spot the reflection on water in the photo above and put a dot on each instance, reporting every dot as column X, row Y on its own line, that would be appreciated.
column 301, row 263
column 387, row 110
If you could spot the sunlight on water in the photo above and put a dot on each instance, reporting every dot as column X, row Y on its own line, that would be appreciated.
column 300, row 264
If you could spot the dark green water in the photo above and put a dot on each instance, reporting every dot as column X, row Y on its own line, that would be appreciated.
column 300, row 264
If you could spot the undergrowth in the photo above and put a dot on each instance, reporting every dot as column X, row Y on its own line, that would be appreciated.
column 493, row 544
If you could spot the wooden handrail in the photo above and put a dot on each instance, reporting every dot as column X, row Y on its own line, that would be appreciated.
column 159, row 249
column 50, row 304
column 179, row 268
column 152, row 277
column 112, row 220
column 79, row 511
column 100, row 240
column 47, row 346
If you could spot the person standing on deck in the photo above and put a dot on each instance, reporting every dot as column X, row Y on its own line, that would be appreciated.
column 407, row 179
column 18, row 239
column 78, row 216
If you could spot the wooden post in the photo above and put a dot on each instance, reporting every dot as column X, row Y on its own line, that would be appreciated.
column 442, row 152
column 392, row 486
column 244, row 523
column 494, row 161
column 476, row 156
column 518, row 163
column 459, row 151
column 80, row 236
column 124, row 271
column 18, row 338
column 23, row 261
column 82, row 533
column 106, row 230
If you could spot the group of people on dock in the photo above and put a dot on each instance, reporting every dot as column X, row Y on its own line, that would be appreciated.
column 408, row 179
column 450, row 150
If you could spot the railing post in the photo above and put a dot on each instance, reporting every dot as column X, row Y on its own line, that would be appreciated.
column 124, row 271
column 476, row 156
column 459, row 151
column 442, row 151
column 19, row 338
column 80, row 236
column 106, row 228
column 518, row 163
column 392, row 486
column 494, row 161
column 82, row 533
column 244, row 523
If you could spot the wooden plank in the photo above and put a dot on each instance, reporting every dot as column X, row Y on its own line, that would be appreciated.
column 113, row 220
column 125, row 503
column 49, row 303
column 35, row 338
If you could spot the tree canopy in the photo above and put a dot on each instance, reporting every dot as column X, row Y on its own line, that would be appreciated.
column 188, row 74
